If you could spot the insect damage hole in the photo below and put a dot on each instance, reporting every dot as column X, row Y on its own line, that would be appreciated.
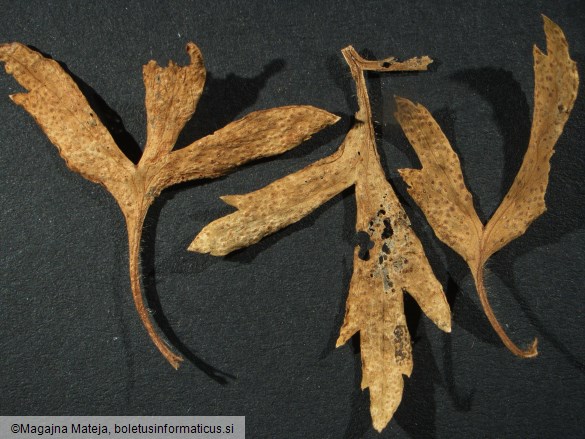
column 365, row 244
column 387, row 232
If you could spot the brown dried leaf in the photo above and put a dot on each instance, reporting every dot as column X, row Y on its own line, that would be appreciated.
column 62, row 111
column 444, row 196
column 438, row 187
column 396, row 262
column 555, row 89
column 172, row 93
column 260, row 134
column 291, row 198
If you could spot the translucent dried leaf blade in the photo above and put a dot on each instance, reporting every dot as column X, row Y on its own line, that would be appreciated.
column 395, row 263
column 172, row 94
column 555, row 91
column 375, row 308
column 274, row 207
column 385, row 348
column 63, row 113
column 422, row 285
column 356, row 302
column 386, row 356
column 438, row 188
column 259, row 134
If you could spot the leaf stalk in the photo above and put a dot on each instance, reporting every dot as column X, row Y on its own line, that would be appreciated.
column 532, row 351
column 134, row 224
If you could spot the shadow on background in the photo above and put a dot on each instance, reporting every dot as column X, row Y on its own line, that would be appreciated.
column 224, row 100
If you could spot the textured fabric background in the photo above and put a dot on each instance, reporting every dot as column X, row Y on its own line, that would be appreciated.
column 265, row 319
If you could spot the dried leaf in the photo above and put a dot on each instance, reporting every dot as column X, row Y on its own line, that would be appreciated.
column 62, row 111
column 291, row 198
column 396, row 262
column 260, row 134
column 438, row 188
column 172, row 93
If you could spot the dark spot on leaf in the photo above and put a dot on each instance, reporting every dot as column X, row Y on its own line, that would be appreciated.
column 402, row 351
column 387, row 232
column 365, row 244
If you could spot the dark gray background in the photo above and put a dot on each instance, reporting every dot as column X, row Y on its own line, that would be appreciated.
column 265, row 319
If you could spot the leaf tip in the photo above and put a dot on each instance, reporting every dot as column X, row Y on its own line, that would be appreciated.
column 206, row 244
column 404, row 172
column 403, row 108
column 401, row 102
column 327, row 117
column 379, row 425
column 200, row 244
column 348, row 330
column 553, row 31
column 17, row 98
column 5, row 49
column 230, row 200
column 194, row 53
column 555, row 38
column 341, row 340
column 408, row 176
column 548, row 23
column 384, row 402
column 445, row 326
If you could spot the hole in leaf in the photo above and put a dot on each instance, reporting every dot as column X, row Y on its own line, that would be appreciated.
column 387, row 232
column 365, row 244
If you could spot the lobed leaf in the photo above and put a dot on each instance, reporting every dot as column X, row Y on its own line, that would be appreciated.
column 172, row 94
column 555, row 91
column 395, row 264
column 438, row 188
